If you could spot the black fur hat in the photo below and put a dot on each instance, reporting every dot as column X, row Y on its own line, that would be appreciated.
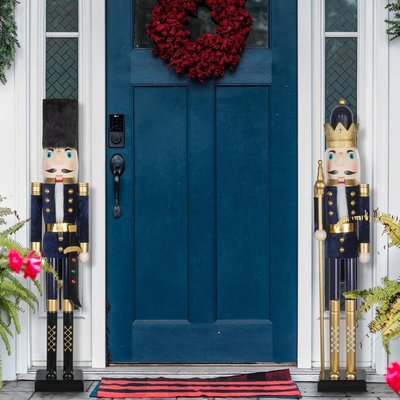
column 60, row 123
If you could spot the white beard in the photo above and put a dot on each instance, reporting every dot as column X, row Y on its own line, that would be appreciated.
column 59, row 201
column 342, row 209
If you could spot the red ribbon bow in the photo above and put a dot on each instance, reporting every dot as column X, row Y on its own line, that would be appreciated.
column 393, row 376
column 32, row 263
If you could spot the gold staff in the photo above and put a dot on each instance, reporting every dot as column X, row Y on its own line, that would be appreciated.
column 319, row 191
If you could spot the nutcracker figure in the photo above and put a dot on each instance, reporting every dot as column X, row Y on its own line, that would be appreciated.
column 59, row 207
column 341, row 211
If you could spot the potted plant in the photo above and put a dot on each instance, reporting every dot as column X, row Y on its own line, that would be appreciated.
column 385, row 299
column 16, row 261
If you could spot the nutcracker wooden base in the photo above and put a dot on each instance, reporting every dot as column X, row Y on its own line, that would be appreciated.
column 342, row 384
column 59, row 385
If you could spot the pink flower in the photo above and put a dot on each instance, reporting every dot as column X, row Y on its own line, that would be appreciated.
column 33, row 265
column 393, row 376
column 15, row 260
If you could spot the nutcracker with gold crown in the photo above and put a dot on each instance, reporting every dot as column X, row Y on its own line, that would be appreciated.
column 60, row 208
column 342, row 229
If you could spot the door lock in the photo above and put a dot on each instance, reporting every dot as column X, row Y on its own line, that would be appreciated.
column 117, row 165
column 116, row 131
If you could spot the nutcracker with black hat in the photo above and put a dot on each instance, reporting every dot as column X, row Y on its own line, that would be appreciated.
column 343, row 234
column 60, row 209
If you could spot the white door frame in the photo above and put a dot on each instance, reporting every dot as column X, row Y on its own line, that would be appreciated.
column 310, row 141
column 373, row 67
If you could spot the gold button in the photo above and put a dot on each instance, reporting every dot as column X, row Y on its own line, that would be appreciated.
column 330, row 194
column 60, row 249
column 47, row 191
column 330, row 203
column 342, row 250
column 353, row 212
column 47, row 210
column 60, row 239
column 330, row 213
column 353, row 193
column 71, row 191
column 353, row 202
column 70, row 200
column 70, row 210
column 47, row 200
column 341, row 239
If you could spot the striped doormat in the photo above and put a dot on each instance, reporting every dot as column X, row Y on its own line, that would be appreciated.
column 260, row 384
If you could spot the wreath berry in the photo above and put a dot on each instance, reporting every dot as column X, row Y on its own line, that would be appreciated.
column 209, row 55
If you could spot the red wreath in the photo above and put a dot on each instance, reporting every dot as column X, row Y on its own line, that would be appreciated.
column 209, row 55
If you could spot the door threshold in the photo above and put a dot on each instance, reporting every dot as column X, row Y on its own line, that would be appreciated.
column 195, row 371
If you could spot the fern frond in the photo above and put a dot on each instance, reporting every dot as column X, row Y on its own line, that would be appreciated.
column 3, row 335
column 6, row 327
column 10, row 244
column 391, row 225
column 12, row 311
column 15, row 228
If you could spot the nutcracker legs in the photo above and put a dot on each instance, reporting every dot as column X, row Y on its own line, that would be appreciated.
column 61, row 266
column 350, row 267
column 350, row 310
column 52, row 310
column 334, row 318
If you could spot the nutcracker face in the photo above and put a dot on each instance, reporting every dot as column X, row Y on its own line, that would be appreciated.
column 60, row 163
column 342, row 164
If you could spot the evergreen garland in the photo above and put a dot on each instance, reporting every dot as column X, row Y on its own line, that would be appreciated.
column 12, row 291
column 394, row 24
column 386, row 299
column 8, row 37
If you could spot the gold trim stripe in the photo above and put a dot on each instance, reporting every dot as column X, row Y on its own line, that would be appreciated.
column 364, row 189
column 67, row 306
column 343, row 228
column 35, row 246
column 66, row 181
column 364, row 247
column 83, row 189
column 63, row 227
column 347, row 182
column 52, row 305
column 84, row 247
column 36, row 188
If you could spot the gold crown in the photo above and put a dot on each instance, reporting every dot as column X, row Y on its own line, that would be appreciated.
column 341, row 137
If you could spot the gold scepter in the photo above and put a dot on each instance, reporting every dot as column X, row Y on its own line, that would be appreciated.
column 319, row 191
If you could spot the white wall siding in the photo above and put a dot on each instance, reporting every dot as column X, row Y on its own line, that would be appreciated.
column 394, row 161
column 20, row 163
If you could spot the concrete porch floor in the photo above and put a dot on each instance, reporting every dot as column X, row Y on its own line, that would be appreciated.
column 23, row 390
column 306, row 379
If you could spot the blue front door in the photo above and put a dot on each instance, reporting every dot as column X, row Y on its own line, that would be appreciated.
column 202, row 265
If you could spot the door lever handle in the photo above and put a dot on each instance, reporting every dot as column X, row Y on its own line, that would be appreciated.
column 117, row 165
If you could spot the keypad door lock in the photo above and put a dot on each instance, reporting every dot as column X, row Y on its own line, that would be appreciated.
column 116, row 131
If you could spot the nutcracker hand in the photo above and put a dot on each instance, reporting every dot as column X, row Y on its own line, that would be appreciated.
column 364, row 258
column 320, row 234
column 84, row 257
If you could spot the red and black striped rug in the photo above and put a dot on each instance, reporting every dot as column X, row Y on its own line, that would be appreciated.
column 260, row 384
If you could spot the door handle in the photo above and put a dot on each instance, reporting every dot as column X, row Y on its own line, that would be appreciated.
column 117, row 165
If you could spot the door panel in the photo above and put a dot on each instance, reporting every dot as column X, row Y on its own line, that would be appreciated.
column 195, row 271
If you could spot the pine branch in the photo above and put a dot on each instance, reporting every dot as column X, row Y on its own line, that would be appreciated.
column 393, row 29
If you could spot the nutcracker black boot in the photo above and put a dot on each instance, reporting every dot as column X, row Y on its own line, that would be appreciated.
column 68, row 339
column 51, row 366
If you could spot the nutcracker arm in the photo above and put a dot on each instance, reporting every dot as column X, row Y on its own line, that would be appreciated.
column 364, row 223
column 83, row 218
column 36, row 217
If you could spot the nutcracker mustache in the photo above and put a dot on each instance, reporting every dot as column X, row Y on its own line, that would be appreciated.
column 347, row 172
column 64, row 170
